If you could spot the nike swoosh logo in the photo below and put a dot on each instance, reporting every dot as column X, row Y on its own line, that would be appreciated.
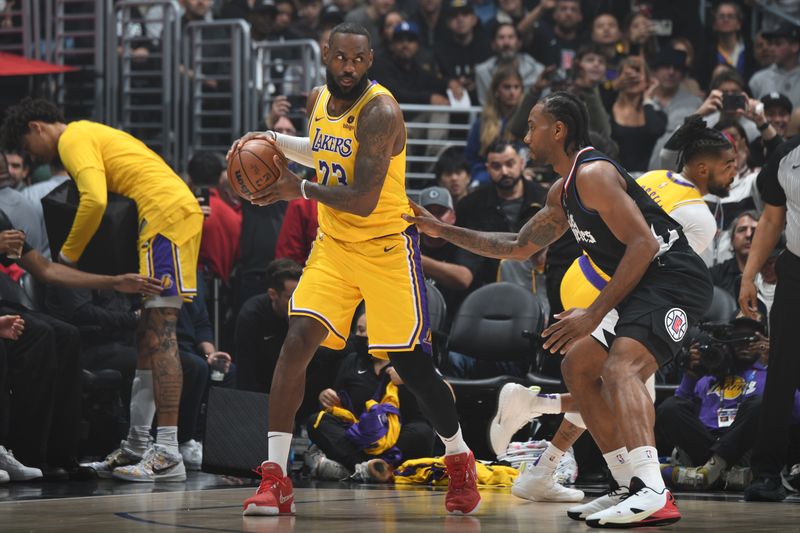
column 388, row 248
column 269, row 337
column 284, row 499
column 795, row 166
column 157, row 470
column 316, row 119
column 361, row 371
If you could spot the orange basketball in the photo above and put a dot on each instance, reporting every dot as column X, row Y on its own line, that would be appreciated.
column 252, row 167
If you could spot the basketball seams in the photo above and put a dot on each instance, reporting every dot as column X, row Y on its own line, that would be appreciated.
column 252, row 156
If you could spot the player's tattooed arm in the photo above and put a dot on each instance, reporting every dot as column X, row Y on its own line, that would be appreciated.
column 547, row 225
column 379, row 131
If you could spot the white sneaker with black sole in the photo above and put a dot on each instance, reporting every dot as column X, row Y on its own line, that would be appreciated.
column 609, row 499
column 157, row 465
column 16, row 471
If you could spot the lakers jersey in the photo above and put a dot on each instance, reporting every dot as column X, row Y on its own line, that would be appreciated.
column 584, row 280
column 334, row 147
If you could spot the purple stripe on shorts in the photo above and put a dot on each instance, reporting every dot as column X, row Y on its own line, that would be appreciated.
column 425, row 335
column 594, row 278
column 163, row 259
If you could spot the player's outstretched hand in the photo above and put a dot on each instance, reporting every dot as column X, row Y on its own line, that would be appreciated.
column 287, row 187
column 136, row 284
column 573, row 325
column 11, row 327
column 248, row 137
column 424, row 220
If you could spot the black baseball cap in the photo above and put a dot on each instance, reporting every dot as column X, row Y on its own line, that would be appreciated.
column 788, row 31
column 458, row 6
column 406, row 28
column 777, row 100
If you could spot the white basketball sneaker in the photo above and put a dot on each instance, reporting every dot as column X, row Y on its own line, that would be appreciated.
column 16, row 471
column 609, row 499
column 156, row 465
column 645, row 507
column 514, row 410
column 122, row 456
column 538, row 485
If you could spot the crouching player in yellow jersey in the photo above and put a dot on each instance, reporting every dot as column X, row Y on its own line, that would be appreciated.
column 101, row 159
column 364, row 250
column 708, row 161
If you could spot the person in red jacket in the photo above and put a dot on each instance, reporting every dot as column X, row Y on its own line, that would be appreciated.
column 298, row 231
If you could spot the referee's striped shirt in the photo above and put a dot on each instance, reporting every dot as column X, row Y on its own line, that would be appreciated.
column 779, row 184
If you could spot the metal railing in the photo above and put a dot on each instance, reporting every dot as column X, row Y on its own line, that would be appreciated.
column 20, row 30
column 431, row 130
column 217, row 85
column 291, row 68
column 142, row 75
column 79, row 40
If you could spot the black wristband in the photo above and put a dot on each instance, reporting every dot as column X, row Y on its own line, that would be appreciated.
column 762, row 127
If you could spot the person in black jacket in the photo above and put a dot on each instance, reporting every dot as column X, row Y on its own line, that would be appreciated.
column 363, row 377
column 503, row 205
column 400, row 72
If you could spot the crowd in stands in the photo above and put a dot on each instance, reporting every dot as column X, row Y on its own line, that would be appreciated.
column 640, row 67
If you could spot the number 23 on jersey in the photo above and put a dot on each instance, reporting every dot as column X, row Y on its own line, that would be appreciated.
column 331, row 171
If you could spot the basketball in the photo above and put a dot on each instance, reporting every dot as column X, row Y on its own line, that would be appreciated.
column 252, row 168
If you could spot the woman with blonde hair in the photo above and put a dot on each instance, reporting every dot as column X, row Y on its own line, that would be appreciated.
column 505, row 93
column 636, row 124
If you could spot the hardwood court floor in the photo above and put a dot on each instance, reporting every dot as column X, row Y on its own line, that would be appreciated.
column 342, row 508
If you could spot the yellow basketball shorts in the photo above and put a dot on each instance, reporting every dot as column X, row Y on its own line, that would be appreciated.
column 582, row 284
column 385, row 272
column 175, row 266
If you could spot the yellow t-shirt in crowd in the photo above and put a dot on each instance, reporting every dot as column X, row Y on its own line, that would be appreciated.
column 101, row 159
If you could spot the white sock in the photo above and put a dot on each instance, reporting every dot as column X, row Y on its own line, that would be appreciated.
column 279, row 444
column 455, row 444
column 619, row 462
column 547, row 404
column 644, row 461
column 167, row 436
column 549, row 460
column 143, row 409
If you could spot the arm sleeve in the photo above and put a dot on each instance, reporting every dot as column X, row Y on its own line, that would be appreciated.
column 93, row 200
column 698, row 224
column 295, row 148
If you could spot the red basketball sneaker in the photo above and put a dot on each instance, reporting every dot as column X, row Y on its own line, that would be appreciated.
column 275, row 494
column 462, row 492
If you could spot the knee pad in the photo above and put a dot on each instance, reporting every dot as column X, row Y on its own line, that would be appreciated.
column 575, row 419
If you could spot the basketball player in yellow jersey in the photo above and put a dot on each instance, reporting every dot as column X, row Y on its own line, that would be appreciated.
column 364, row 251
column 709, row 167
column 101, row 159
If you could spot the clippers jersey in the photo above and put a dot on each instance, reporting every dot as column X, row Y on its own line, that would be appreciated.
column 583, row 281
column 592, row 233
column 334, row 147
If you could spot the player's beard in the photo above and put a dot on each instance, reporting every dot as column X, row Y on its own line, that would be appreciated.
column 717, row 189
column 340, row 93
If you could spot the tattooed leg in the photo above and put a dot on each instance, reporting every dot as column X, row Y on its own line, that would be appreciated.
column 158, row 344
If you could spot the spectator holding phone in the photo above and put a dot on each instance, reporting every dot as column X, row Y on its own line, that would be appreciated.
column 636, row 124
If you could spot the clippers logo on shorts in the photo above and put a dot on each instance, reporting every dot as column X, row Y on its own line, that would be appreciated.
column 676, row 323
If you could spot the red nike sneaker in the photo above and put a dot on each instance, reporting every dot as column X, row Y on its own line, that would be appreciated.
column 462, row 491
column 275, row 494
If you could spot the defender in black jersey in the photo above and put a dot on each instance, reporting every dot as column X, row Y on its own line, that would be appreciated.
column 658, row 287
